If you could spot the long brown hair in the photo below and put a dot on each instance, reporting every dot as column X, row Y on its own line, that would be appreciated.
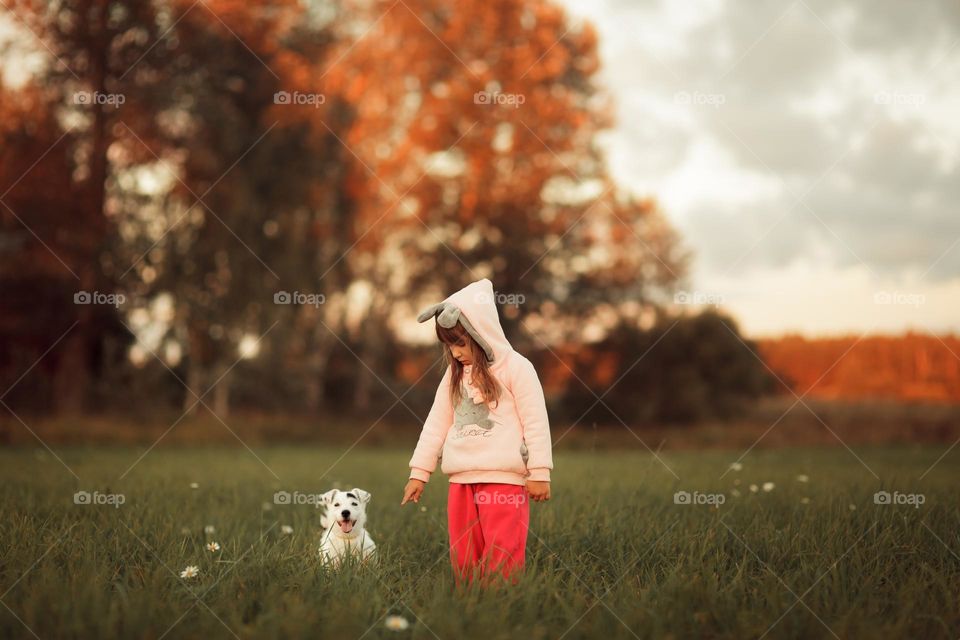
column 482, row 378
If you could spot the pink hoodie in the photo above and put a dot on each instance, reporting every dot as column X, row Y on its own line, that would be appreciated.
column 486, row 442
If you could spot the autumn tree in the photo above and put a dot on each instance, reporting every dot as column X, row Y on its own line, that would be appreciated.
column 473, row 135
column 91, row 48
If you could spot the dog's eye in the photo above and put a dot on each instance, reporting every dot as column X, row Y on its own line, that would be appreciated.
column 354, row 503
column 337, row 505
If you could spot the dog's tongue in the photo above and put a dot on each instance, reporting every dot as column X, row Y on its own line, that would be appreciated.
column 346, row 526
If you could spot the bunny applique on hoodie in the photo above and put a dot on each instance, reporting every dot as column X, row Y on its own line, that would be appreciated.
column 502, row 442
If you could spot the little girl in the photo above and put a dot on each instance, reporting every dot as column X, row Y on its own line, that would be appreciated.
column 489, row 427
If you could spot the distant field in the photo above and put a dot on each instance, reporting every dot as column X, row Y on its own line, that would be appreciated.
column 612, row 555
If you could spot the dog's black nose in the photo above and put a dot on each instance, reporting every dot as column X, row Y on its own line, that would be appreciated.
column 345, row 514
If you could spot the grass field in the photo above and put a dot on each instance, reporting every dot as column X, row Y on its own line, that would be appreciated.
column 612, row 555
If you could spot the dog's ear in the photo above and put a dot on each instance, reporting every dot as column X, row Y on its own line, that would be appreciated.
column 363, row 495
column 328, row 496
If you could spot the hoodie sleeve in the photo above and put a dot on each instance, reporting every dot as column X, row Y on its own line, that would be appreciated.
column 434, row 432
column 532, row 409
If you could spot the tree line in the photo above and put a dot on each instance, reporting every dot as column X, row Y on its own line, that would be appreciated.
column 223, row 205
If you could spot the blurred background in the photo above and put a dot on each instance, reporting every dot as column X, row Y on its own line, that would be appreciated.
column 709, row 223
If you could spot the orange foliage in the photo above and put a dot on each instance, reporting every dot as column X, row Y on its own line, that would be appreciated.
column 912, row 367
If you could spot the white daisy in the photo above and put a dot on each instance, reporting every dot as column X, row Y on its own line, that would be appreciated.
column 286, row 529
column 754, row 488
column 213, row 547
column 194, row 485
column 736, row 466
column 396, row 623
column 209, row 529
column 768, row 486
column 190, row 572
column 803, row 478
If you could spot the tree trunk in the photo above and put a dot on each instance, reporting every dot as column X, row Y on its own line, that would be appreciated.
column 194, row 381
column 316, row 373
column 221, row 395
column 71, row 380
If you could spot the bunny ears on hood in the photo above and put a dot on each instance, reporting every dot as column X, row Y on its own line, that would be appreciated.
column 477, row 301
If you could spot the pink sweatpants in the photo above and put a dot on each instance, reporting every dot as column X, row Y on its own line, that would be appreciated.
column 488, row 525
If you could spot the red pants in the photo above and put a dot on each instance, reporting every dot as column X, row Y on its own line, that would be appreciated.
column 488, row 525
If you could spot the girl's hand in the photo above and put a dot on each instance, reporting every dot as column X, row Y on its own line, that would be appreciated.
column 412, row 491
column 539, row 491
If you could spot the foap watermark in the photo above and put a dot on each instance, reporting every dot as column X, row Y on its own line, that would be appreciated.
column 298, row 498
column 499, row 497
column 497, row 98
column 715, row 100
column 95, row 297
column 514, row 299
column 910, row 499
column 686, row 497
column 115, row 100
column 299, row 98
column 99, row 499
column 899, row 298
column 899, row 98
column 299, row 298
column 697, row 298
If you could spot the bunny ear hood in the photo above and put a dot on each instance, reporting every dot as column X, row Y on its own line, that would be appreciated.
column 476, row 309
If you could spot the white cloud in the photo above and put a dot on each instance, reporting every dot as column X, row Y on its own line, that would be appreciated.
column 849, row 105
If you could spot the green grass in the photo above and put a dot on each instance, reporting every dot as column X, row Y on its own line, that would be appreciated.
column 610, row 556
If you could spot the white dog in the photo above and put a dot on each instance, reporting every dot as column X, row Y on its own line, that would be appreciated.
column 343, row 526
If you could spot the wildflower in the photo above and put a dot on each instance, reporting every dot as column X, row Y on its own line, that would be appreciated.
column 735, row 493
column 396, row 623
column 286, row 529
column 736, row 466
column 209, row 529
column 753, row 488
column 768, row 487
column 190, row 572
column 803, row 478
column 194, row 485
column 213, row 547
column 423, row 508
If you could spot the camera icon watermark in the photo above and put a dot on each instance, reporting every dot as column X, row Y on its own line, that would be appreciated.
column 899, row 98
column 899, row 298
column 499, row 497
column 896, row 498
column 499, row 99
column 711, row 499
column 298, row 498
column 299, row 298
column 715, row 100
column 299, row 98
column 99, row 499
column 503, row 299
column 115, row 100
column 95, row 297
column 699, row 298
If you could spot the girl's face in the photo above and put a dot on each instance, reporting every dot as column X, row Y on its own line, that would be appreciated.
column 459, row 341
column 461, row 351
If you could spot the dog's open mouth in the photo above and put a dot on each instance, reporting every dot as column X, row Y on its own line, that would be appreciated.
column 346, row 525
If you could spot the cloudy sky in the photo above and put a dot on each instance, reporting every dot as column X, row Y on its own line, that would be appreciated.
column 808, row 152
